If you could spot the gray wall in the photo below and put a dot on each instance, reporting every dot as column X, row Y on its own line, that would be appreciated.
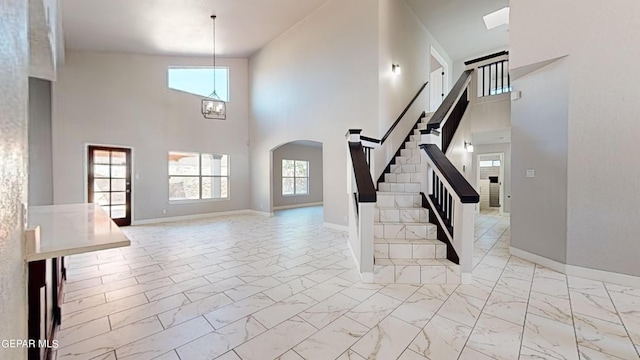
column 600, row 175
column 13, row 172
column 123, row 100
column 40, row 159
column 539, row 141
column 312, row 154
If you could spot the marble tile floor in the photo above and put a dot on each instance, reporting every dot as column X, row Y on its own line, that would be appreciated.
column 255, row 288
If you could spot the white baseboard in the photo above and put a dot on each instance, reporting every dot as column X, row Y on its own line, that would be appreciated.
column 336, row 226
column 579, row 271
column 466, row 278
column 295, row 206
column 366, row 278
column 261, row 213
column 199, row 216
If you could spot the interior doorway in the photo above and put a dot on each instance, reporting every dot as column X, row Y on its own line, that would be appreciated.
column 490, row 180
column 109, row 181
column 438, row 80
column 297, row 175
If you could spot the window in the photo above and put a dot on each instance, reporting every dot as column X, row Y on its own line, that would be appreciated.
column 295, row 177
column 489, row 163
column 199, row 80
column 195, row 176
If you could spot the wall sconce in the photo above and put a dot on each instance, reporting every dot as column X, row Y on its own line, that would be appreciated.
column 468, row 146
column 395, row 68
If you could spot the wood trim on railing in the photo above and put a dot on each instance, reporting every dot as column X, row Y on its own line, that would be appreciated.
column 442, row 111
column 452, row 255
column 486, row 57
column 366, row 138
column 459, row 184
column 451, row 126
column 366, row 192
column 384, row 138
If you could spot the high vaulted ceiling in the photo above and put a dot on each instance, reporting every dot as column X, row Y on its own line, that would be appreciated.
column 458, row 25
column 179, row 27
column 183, row 27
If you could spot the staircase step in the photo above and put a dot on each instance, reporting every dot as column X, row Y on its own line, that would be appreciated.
column 399, row 230
column 403, row 178
column 399, row 168
column 401, row 215
column 418, row 249
column 409, row 152
column 410, row 271
column 401, row 160
column 400, row 187
column 411, row 145
column 398, row 200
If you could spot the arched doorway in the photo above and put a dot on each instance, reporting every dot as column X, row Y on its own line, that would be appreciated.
column 297, row 175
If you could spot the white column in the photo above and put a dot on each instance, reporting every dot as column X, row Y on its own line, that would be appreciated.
column 365, row 229
column 431, row 138
column 464, row 217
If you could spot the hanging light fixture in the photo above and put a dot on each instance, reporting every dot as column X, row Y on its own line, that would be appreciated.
column 212, row 106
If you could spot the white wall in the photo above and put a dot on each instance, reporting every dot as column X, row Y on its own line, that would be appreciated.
column 14, row 58
column 403, row 40
column 123, row 100
column 312, row 154
column 600, row 109
column 314, row 82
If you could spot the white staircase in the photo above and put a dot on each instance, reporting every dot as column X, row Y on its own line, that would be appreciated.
column 406, row 249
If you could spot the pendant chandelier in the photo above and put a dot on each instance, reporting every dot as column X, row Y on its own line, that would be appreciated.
column 212, row 106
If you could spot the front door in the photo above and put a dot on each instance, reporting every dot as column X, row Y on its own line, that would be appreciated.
column 109, row 181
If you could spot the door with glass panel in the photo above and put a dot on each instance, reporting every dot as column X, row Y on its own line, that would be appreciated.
column 109, row 181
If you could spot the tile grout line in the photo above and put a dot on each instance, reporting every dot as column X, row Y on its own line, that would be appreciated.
column 573, row 321
column 526, row 310
column 487, row 300
column 622, row 321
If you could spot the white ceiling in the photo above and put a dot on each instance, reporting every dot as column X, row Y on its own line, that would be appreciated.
column 179, row 27
column 183, row 27
column 458, row 25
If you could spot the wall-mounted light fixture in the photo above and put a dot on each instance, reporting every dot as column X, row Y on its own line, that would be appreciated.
column 468, row 146
column 395, row 68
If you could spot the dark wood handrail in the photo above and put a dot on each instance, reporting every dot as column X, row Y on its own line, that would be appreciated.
column 460, row 185
column 366, row 192
column 486, row 57
column 386, row 135
column 384, row 138
column 449, row 101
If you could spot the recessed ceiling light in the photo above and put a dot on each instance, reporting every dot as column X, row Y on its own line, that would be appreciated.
column 496, row 18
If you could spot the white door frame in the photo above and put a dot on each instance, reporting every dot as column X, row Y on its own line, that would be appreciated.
column 445, row 69
column 501, row 179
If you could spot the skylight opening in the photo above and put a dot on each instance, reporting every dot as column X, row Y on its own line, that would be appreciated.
column 497, row 18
